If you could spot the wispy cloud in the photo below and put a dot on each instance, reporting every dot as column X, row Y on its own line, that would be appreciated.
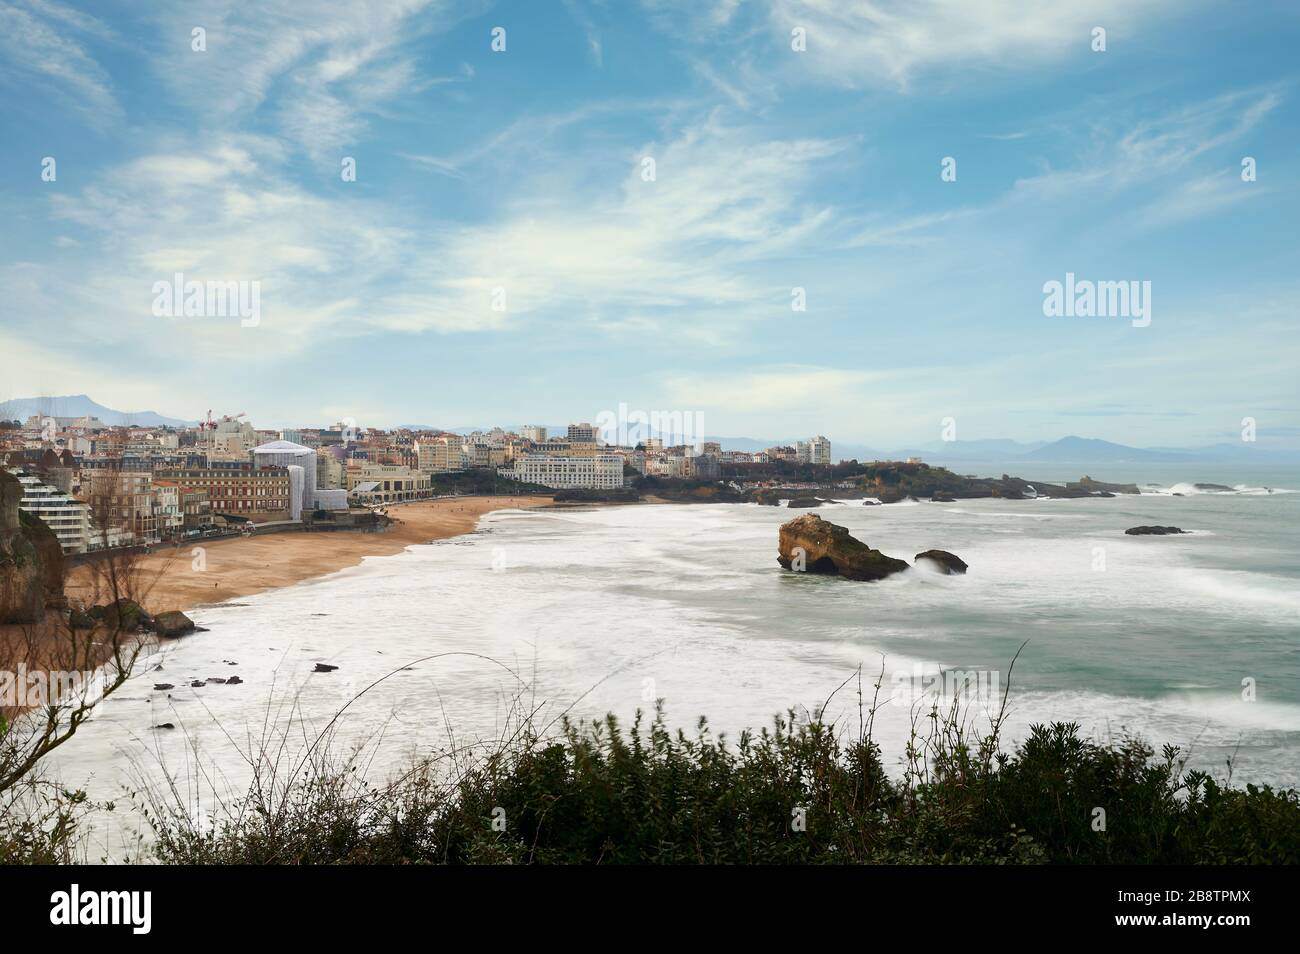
column 319, row 68
column 893, row 42
column 48, row 40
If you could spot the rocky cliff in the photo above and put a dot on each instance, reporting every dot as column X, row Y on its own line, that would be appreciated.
column 31, row 560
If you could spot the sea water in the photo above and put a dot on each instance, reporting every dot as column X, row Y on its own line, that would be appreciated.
column 1192, row 640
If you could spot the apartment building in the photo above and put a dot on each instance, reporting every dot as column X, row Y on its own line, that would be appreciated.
column 232, row 440
column 484, row 455
column 196, row 507
column 440, row 455
column 238, row 488
column 599, row 472
column 819, row 450
column 167, row 511
column 583, row 433
column 64, row 514
column 121, row 504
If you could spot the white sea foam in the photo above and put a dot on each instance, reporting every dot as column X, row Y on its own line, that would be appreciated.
column 609, row 608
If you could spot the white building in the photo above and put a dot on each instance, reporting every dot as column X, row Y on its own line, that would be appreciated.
column 301, row 463
column 819, row 450
column 534, row 433
column 67, row 516
column 599, row 472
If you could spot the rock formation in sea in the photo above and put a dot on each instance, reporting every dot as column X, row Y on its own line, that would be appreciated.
column 1152, row 531
column 172, row 624
column 813, row 545
column 804, row 503
column 943, row 561
column 1097, row 486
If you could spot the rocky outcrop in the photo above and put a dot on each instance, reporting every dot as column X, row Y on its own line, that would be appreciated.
column 943, row 561
column 31, row 560
column 1097, row 486
column 172, row 624
column 804, row 503
column 813, row 545
column 49, row 553
column 1152, row 531
column 121, row 614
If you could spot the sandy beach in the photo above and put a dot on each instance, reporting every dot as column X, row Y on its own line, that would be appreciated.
column 244, row 566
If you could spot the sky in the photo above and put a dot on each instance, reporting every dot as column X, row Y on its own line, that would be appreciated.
column 626, row 203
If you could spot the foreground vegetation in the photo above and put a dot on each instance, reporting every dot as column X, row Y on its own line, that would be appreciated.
column 793, row 794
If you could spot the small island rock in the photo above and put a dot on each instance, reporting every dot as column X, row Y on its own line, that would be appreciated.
column 819, row 546
column 943, row 561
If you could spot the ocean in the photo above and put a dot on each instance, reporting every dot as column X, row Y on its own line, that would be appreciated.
column 1189, row 640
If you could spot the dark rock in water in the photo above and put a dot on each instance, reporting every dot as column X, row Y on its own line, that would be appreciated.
column 165, row 725
column 172, row 624
column 1218, row 487
column 217, row 679
column 1175, row 494
column 814, row 545
column 324, row 667
column 1152, row 531
column 942, row 498
column 872, row 503
column 804, row 503
column 122, row 614
column 234, row 681
column 946, row 562
column 78, row 619
column 197, row 684
column 1099, row 487
column 163, row 686
column 1104, row 493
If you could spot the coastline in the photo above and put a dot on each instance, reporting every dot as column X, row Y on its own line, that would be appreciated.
column 249, row 565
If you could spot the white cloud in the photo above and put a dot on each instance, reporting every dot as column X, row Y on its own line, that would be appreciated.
column 892, row 42
column 37, row 37
column 329, row 63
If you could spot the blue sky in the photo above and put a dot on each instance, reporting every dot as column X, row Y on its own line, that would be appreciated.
column 774, row 169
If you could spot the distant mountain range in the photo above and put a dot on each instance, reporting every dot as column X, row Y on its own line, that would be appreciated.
column 1070, row 449
column 79, row 405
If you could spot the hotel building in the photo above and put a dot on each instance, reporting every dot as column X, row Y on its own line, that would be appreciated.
column 598, row 472
column 238, row 489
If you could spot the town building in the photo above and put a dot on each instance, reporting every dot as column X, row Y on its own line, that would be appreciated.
column 386, row 483
column 239, row 488
column 819, row 450
column 598, row 472
column 65, row 515
column 583, row 433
